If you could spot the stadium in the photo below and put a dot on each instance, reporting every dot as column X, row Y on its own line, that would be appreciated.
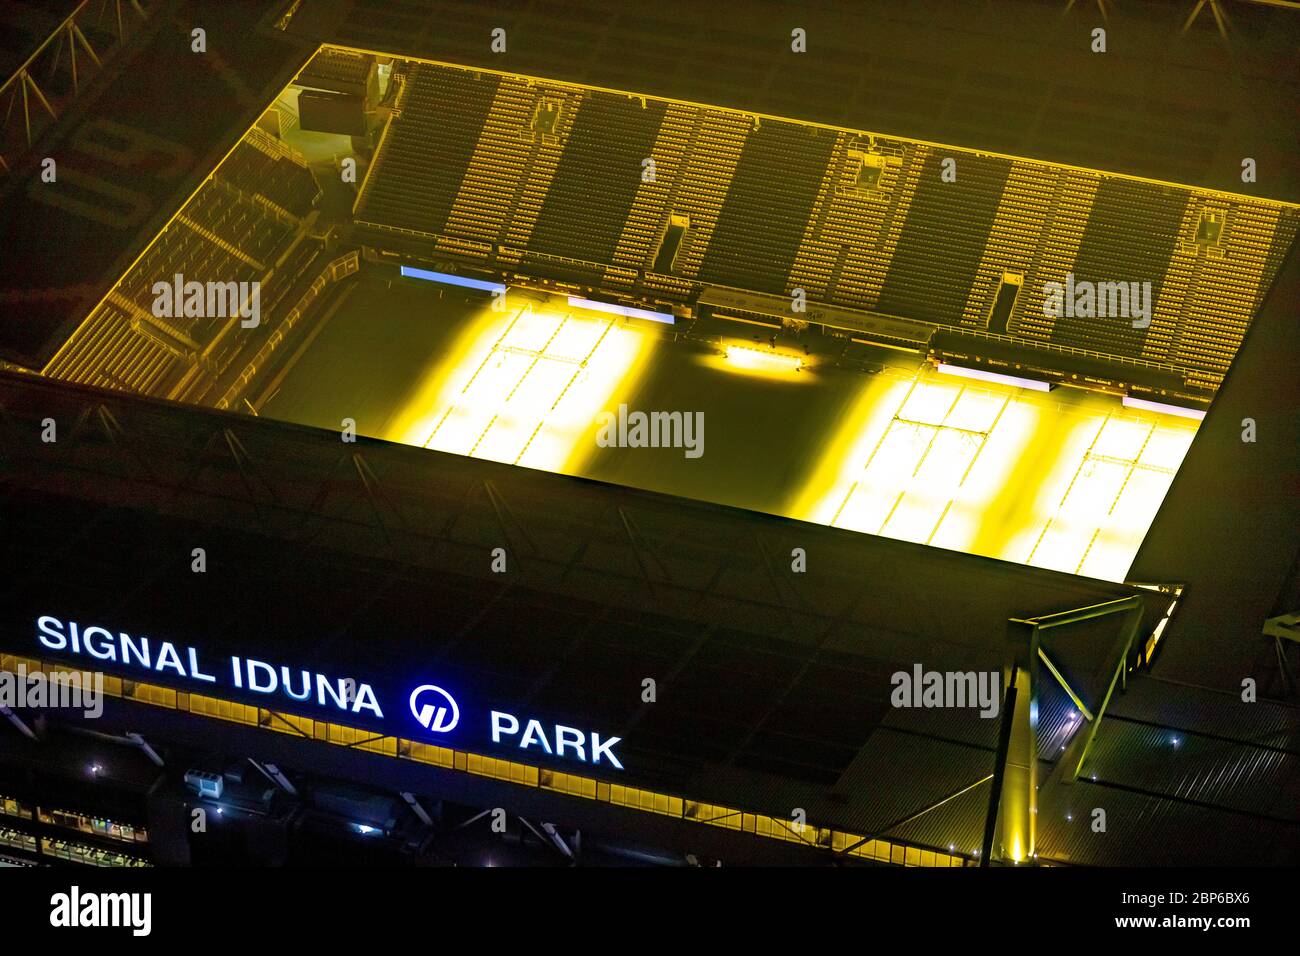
column 452, row 455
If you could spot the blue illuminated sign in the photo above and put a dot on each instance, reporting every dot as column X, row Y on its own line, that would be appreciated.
column 448, row 278
column 434, row 717
column 566, row 739
column 430, row 706
column 247, row 674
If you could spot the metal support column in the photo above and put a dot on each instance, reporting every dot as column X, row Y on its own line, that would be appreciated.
column 1014, row 803
column 1010, row 829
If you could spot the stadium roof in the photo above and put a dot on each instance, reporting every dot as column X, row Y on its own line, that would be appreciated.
column 1009, row 77
column 774, row 686
column 107, row 516
column 131, row 152
column 1227, row 527
column 1166, row 101
column 25, row 26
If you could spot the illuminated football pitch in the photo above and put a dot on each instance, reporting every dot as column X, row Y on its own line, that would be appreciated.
column 1065, row 480
column 524, row 386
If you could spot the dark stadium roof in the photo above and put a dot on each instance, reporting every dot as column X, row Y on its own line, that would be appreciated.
column 774, row 686
column 1008, row 77
column 138, row 149
column 25, row 25
column 774, row 696
column 1227, row 527
column 1011, row 76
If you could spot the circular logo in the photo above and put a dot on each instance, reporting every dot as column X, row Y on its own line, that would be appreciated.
column 434, row 708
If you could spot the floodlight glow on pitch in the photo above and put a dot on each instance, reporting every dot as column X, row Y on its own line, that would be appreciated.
column 913, row 461
column 766, row 362
column 524, row 387
column 1070, row 483
column 1093, row 510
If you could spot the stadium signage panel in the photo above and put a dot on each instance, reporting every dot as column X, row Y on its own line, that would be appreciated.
column 185, row 661
column 435, row 710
